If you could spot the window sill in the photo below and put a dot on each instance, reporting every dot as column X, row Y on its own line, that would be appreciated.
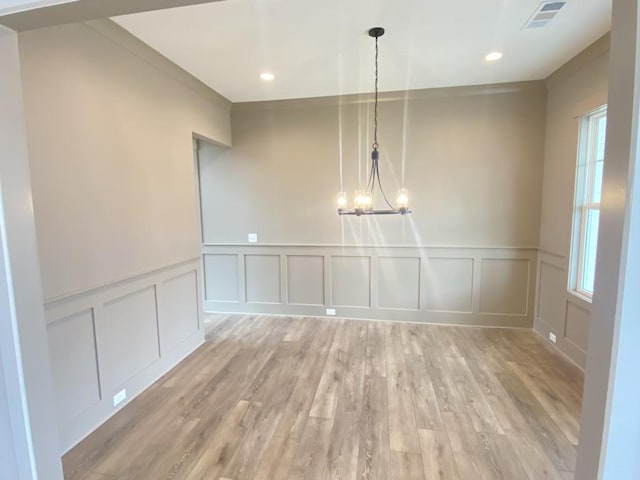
column 582, row 297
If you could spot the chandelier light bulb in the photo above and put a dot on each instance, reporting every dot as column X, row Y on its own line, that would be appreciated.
column 362, row 200
column 342, row 200
column 402, row 200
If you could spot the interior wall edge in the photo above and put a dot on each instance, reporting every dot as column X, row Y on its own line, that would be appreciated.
column 558, row 311
column 576, row 355
column 586, row 57
column 123, row 38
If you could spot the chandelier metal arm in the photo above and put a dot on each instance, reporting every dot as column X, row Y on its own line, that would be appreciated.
column 358, row 212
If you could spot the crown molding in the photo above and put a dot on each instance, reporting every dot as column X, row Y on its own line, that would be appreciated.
column 407, row 95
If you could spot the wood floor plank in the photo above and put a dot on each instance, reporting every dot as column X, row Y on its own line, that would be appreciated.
column 319, row 340
column 469, row 456
column 547, row 433
column 447, row 394
column 411, row 340
column 535, row 463
column 294, row 416
column 403, row 433
column 567, row 387
column 345, row 435
column 555, row 407
column 373, row 454
column 406, row 466
column 275, row 398
column 457, row 422
column 296, row 330
column 326, row 398
column 437, row 457
column 501, row 456
column 276, row 462
column 310, row 460
column 483, row 360
column 425, row 402
column 120, row 461
column 525, row 442
column 211, row 460
column 376, row 362
column 482, row 416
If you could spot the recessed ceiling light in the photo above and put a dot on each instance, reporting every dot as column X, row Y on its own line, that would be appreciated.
column 493, row 56
column 267, row 76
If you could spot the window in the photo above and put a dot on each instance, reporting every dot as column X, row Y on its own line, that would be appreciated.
column 588, row 191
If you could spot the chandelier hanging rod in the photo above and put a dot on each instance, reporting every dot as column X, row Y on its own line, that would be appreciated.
column 364, row 198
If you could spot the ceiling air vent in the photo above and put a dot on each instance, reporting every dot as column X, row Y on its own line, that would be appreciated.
column 544, row 14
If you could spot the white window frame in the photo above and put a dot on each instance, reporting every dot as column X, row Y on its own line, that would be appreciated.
column 583, row 204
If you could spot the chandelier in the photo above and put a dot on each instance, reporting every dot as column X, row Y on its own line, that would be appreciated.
column 364, row 197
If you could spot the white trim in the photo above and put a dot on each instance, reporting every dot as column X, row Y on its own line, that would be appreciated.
column 23, row 335
column 583, row 198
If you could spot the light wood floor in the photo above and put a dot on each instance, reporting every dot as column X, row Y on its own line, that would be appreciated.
column 293, row 398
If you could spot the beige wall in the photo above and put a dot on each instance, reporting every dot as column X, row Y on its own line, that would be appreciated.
column 577, row 88
column 472, row 161
column 110, row 140
column 110, row 126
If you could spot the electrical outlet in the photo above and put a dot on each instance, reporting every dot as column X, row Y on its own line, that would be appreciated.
column 552, row 337
column 119, row 397
column 331, row 311
column 252, row 237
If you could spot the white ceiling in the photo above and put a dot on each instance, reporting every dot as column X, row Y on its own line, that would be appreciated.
column 13, row 6
column 319, row 48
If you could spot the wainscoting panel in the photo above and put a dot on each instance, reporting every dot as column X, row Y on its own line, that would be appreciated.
column 222, row 285
column 123, row 335
column 577, row 325
column 351, row 281
column 450, row 285
column 177, row 309
column 127, row 337
column 559, row 311
column 505, row 286
column 262, row 274
column 420, row 284
column 552, row 295
column 305, row 280
column 72, row 348
column 399, row 283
